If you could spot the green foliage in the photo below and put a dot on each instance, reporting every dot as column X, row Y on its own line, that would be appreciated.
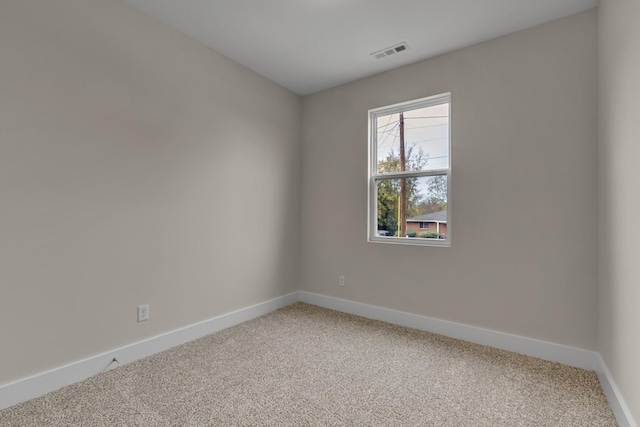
column 389, row 189
column 388, row 192
column 430, row 234
column 411, row 233
column 436, row 198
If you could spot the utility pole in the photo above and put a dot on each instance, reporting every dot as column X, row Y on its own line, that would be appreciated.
column 402, row 214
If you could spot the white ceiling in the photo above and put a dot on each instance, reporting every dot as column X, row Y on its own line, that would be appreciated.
column 310, row 45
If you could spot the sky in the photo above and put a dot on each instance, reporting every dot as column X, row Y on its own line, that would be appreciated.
column 426, row 128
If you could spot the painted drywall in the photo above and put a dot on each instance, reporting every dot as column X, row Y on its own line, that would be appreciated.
column 523, row 258
column 619, row 232
column 136, row 166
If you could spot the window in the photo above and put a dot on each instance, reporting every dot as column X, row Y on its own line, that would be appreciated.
column 410, row 172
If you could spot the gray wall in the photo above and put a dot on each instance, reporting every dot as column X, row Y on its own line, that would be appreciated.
column 523, row 258
column 618, row 153
column 119, row 140
column 136, row 166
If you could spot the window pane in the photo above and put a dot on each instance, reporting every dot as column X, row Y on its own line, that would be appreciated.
column 425, row 207
column 426, row 140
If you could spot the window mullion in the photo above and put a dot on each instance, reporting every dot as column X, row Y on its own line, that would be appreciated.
column 412, row 174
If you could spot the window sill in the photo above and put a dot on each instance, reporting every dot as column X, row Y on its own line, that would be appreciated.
column 411, row 241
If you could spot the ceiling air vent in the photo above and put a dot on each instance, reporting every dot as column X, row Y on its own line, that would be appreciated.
column 390, row 50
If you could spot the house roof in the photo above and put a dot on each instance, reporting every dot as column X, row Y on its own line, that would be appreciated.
column 430, row 217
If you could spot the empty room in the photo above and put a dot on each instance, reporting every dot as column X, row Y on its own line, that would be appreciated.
column 319, row 212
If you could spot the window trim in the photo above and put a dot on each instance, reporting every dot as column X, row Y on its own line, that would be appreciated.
column 372, row 205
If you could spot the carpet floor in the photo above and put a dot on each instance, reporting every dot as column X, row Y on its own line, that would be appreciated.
column 307, row 366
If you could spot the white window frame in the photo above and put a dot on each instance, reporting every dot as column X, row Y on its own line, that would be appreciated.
column 372, row 223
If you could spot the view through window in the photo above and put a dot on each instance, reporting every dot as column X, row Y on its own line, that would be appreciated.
column 409, row 172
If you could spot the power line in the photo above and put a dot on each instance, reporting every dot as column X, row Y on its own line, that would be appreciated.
column 428, row 117
column 384, row 126
column 389, row 121
column 396, row 128
column 391, row 129
column 430, row 126
column 396, row 121
column 431, row 139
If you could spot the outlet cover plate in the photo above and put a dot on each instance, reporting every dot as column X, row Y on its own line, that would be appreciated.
column 143, row 312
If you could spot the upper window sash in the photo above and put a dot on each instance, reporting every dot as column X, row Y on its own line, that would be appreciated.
column 425, row 124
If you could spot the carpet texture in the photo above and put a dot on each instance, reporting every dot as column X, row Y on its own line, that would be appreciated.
column 308, row 366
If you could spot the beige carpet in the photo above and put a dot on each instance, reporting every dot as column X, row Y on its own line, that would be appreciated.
column 307, row 366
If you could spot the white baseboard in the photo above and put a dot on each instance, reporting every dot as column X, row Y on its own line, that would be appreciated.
column 616, row 402
column 544, row 350
column 45, row 382
column 571, row 356
column 37, row 385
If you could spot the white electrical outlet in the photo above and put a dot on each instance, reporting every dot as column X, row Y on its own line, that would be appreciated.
column 143, row 312
column 341, row 281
